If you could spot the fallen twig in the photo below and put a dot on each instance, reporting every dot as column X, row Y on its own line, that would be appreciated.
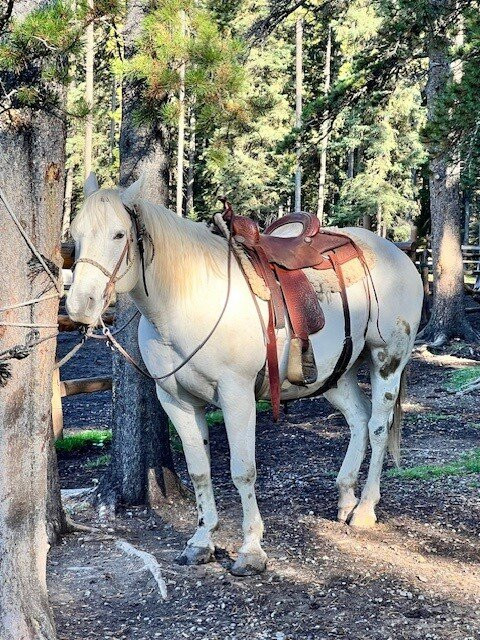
column 149, row 561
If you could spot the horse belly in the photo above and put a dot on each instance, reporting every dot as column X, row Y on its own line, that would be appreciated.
column 327, row 344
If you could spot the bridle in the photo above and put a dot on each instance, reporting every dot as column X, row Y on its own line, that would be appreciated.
column 113, row 277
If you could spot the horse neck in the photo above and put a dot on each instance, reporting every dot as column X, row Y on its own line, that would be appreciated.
column 188, row 265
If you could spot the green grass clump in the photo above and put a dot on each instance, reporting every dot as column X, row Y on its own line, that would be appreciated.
column 99, row 461
column 83, row 440
column 461, row 377
column 467, row 464
column 99, row 438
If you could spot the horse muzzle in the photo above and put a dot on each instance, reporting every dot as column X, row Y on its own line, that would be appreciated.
column 83, row 307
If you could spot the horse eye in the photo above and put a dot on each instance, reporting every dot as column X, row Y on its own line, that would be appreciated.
column 119, row 235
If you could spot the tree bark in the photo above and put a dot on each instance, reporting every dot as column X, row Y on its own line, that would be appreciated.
column 181, row 123
column 89, row 61
column 32, row 160
column 141, row 470
column 67, row 204
column 325, row 132
column 448, row 319
column 191, row 161
column 298, row 108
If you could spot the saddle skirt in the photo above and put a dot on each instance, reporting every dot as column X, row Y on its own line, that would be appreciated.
column 279, row 255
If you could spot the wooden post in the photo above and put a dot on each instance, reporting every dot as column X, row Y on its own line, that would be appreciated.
column 57, row 413
column 84, row 385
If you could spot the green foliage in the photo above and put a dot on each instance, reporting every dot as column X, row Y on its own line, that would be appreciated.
column 34, row 52
column 106, row 113
column 84, row 440
column 213, row 73
column 467, row 464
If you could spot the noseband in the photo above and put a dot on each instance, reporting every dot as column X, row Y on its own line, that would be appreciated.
column 113, row 276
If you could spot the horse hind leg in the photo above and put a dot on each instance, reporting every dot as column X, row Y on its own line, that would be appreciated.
column 349, row 398
column 386, row 371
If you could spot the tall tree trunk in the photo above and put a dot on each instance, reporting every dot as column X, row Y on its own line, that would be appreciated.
column 89, row 60
column 112, row 128
column 325, row 132
column 67, row 204
column 141, row 469
column 351, row 163
column 32, row 163
column 181, row 124
column 298, row 108
column 379, row 219
column 448, row 318
column 191, row 161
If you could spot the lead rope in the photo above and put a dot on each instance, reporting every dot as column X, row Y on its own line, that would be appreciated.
column 32, row 339
column 109, row 337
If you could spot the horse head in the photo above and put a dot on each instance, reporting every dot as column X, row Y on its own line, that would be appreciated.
column 107, row 240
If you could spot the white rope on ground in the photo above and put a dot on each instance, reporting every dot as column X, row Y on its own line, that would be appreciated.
column 29, row 242
column 149, row 563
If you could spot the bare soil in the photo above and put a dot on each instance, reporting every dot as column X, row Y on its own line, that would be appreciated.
column 416, row 575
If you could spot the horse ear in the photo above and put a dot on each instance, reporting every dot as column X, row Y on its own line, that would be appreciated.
column 131, row 194
column 91, row 184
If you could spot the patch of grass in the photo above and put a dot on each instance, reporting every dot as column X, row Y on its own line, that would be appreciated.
column 435, row 417
column 459, row 378
column 467, row 464
column 84, row 439
column 100, row 461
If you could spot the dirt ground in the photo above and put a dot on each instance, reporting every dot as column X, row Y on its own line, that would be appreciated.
column 416, row 575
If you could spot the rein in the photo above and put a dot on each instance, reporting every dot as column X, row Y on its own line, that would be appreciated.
column 109, row 336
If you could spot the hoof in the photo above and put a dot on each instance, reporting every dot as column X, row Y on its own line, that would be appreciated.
column 344, row 513
column 363, row 518
column 249, row 564
column 195, row 555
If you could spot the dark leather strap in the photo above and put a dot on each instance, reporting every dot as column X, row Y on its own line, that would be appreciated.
column 272, row 363
column 346, row 353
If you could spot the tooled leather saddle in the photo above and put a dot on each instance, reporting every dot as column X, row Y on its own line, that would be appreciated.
column 279, row 260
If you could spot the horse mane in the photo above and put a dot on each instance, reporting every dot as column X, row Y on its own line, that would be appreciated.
column 185, row 252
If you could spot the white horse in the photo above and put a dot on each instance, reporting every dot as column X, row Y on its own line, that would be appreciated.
column 186, row 276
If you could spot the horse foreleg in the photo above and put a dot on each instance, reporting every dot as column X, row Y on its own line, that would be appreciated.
column 191, row 426
column 348, row 398
column 239, row 412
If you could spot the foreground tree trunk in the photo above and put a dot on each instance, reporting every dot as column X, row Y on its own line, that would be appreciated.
column 448, row 319
column 31, row 169
column 141, row 469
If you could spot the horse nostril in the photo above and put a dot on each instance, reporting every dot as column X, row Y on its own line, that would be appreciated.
column 90, row 302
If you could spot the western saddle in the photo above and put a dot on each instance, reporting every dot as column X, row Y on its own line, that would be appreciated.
column 279, row 261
